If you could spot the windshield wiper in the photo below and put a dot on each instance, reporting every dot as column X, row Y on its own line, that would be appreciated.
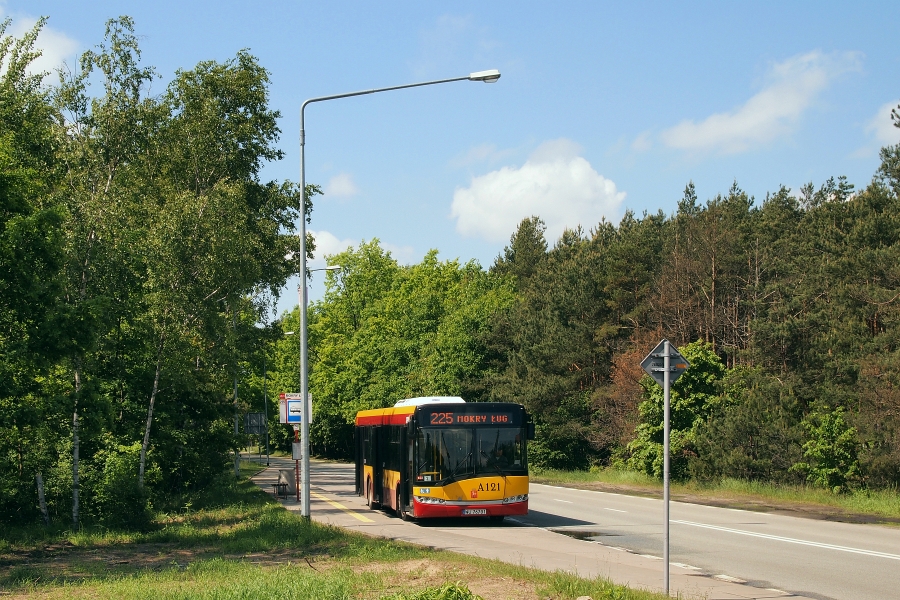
column 463, row 461
column 493, row 463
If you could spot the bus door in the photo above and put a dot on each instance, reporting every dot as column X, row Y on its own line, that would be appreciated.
column 357, row 455
column 409, row 461
column 370, row 465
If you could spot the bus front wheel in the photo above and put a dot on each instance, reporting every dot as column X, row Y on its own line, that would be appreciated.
column 400, row 512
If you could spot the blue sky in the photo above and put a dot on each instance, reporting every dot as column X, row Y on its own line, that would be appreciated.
column 601, row 108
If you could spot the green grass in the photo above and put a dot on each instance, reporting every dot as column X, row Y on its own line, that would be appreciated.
column 873, row 503
column 234, row 541
column 222, row 579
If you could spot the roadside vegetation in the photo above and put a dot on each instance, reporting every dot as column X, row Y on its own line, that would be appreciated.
column 234, row 541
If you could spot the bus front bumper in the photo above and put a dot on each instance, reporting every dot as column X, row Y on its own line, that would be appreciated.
column 424, row 510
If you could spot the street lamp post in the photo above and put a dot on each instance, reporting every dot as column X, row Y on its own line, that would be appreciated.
column 489, row 76
column 266, row 404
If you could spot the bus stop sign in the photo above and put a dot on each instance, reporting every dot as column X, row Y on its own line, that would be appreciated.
column 290, row 408
column 654, row 364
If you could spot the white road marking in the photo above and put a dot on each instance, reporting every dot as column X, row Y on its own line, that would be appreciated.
column 566, row 501
column 729, row 579
column 684, row 566
column 615, row 510
column 651, row 556
column 793, row 540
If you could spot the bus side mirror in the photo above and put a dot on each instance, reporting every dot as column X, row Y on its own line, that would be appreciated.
column 410, row 428
column 529, row 430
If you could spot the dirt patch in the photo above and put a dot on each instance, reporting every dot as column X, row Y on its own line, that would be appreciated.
column 423, row 573
column 503, row 588
column 745, row 502
column 66, row 563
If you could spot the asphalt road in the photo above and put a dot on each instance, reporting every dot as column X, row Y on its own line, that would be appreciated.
column 813, row 558
column 715, row 553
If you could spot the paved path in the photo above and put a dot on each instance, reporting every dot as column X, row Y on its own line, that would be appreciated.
column 333, row 501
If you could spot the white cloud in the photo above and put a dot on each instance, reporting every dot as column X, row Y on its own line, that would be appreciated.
column 642, row 143
column 484, row 153
column 792, row 87
column 404, row 255
column 341, row 186
column 327, row 244
column 881, row 126
column 555, row 183
column 55, row 46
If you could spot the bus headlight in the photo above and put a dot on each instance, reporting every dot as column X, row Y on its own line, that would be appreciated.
column 428, row 500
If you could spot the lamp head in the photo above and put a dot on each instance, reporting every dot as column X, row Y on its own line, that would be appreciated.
column 489, row 76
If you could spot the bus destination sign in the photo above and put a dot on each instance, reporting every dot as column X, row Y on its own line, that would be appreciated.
column 470, row 418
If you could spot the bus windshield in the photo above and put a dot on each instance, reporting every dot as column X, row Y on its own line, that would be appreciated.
column 456, row 452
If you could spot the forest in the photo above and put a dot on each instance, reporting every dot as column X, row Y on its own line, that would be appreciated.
column 141, row 254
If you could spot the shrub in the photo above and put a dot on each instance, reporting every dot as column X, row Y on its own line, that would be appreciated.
column 831, row 451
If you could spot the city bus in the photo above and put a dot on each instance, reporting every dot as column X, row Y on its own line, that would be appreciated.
column 440, row 456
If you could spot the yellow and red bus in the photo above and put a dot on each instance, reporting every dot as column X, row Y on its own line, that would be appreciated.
column 439, row 456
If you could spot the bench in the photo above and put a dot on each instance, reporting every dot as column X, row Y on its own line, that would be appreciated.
column 285, row 482
column 280, row 489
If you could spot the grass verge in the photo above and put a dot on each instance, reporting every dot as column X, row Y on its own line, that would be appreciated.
column 233, row 541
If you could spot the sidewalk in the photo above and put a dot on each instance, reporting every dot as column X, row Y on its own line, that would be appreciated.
column 333, row 501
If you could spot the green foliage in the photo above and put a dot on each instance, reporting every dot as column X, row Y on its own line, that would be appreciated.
column 552, row 349
column 693, row 397
column 118, row 502
column 384, row 332
column 753, row 434
column 830, row 452
column 137, row 242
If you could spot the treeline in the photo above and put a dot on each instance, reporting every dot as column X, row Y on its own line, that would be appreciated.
column 139, row 250
column 788, row 309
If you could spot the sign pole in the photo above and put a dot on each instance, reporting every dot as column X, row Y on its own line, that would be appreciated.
column 297, row 463
column 666, row 384
column 660, row 366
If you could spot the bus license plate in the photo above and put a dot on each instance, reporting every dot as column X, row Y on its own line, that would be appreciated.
column 474, row 511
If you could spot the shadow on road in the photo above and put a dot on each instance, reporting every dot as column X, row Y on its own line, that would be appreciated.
column 547, row 520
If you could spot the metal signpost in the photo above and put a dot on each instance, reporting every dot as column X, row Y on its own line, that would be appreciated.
column 255, row 424
column 290, row 411
column 665, row 364
column 296, row 454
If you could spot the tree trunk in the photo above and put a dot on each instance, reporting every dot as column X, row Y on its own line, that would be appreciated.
column 237, row 431
column 146, row 444
column 75, row 444
column 40, row 490
column 237, row 453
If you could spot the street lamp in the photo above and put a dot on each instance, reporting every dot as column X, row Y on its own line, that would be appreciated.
column 489, row 76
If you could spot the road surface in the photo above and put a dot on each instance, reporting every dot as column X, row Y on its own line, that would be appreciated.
column 814, row 558
column 715, row 553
